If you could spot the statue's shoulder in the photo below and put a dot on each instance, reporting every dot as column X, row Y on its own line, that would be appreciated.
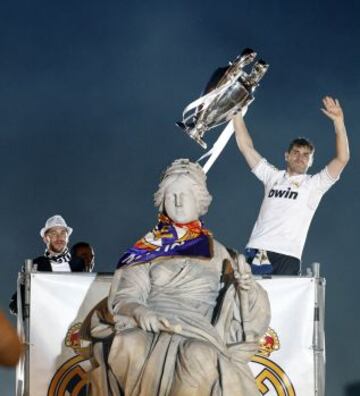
column 220, row 251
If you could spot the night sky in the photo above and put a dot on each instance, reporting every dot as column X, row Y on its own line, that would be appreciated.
column 89, row 95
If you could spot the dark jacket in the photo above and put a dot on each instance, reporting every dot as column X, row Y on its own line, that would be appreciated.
column 43, row 264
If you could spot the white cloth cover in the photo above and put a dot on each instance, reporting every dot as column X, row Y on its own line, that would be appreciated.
column 60, row 302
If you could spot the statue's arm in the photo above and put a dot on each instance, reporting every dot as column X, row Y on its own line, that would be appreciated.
column 129, row 290
column 244, row 297
column 259, row 309
column 254, row 301
column 128, row 297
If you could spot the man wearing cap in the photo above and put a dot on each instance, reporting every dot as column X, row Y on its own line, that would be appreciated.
column 56, row 257
column 55, row 235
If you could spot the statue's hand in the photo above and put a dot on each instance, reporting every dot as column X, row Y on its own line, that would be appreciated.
column 149, row 320
column 242, row 274
column 244, row 281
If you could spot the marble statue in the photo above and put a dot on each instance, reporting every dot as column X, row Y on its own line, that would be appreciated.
column 186, row 314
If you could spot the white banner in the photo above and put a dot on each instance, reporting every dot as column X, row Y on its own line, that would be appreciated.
column 60, row 303
column 289, row 369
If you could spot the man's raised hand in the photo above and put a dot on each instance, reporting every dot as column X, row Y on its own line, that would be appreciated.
column 332, row 109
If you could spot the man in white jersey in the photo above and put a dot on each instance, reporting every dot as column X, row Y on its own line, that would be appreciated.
column 291, row 196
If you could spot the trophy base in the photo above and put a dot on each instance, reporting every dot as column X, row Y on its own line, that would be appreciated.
column 194, row 135
column 192, row 132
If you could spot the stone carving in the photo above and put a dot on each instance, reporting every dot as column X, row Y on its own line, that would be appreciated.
column 186, row 314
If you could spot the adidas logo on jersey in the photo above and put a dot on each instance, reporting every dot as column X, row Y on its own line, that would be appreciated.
column 283, row 193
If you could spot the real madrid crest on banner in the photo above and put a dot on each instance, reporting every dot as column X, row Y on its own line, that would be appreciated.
column 271, row 379
column 72, row 378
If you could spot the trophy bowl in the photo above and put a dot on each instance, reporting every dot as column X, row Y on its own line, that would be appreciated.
column 229, row 90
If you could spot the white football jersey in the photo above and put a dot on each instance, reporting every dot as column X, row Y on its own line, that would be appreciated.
column 287, row 209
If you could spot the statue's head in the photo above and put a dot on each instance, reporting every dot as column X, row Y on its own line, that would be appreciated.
column 182, row 193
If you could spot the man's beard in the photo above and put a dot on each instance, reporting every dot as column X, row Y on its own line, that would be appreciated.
column 299, row 169
column 56, row 250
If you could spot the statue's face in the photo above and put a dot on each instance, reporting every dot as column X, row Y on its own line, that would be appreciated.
column 180, row 202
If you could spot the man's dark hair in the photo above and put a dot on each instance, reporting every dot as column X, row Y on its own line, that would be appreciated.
column 301, row 141
column 77, row 245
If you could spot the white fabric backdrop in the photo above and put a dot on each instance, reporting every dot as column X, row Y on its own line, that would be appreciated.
column 58, row 301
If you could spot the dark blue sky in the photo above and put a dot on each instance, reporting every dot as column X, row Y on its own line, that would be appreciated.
column 90, row 92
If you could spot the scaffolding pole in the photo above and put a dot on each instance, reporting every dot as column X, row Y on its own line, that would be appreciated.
column 27, row 297
column 319, row 332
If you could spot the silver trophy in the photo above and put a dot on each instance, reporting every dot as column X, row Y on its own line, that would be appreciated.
column 229, row 90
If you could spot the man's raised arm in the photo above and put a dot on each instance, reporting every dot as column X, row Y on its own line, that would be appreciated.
column 244, row 141
column 333, row 110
